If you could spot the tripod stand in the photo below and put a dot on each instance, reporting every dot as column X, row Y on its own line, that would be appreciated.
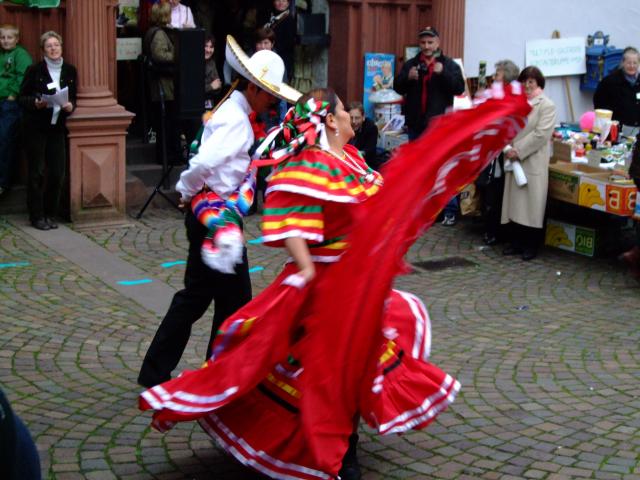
column 166, row 167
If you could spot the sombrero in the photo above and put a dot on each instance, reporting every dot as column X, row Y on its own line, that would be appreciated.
column 265, row 69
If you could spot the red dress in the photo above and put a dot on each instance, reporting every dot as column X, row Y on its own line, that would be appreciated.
column 248, row 395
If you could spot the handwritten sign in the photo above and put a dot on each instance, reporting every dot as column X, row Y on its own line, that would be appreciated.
column 128, row 48
column 558, row 56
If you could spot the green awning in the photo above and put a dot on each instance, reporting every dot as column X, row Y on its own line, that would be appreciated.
column 37, row 3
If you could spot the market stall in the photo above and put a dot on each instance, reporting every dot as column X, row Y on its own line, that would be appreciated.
column 588, row 172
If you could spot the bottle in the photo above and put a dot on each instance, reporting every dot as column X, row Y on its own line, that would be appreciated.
column 482, row 75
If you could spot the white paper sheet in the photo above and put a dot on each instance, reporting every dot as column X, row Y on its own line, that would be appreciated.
column 59, row 98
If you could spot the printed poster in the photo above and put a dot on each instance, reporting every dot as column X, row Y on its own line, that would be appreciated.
column 379, row 70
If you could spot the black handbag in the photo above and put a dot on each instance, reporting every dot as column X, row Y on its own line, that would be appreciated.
column 488, row 174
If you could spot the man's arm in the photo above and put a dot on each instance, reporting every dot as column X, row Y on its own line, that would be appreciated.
column 400, row 83
column 22, row 63
column 453, row 77
column 229, row 142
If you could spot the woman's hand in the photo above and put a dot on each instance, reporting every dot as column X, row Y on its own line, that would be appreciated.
column 299, row 251
column 308, row 273
column 511, row 154
column 216, row 84
column 68, row 107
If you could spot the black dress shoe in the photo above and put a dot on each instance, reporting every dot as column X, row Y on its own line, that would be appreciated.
column 490, row 240
column 511, row 250
column 40, row 224
column 529, row 255
column 52, row 223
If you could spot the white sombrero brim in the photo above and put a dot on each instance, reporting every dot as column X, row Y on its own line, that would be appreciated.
column 239, row 61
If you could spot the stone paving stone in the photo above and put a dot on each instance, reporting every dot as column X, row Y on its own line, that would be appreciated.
column 563, row 373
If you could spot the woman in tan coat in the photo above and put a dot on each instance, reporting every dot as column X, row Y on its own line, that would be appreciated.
column 523, row 206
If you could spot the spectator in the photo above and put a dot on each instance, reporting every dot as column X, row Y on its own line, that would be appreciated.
column 158, row 47
column 429, row 82
column 45, row 125
column 265, row 39
column 19, row 458
column 212, row 82
column 14, row 61
column 632, row 257
column 181, row 16
column 523, row 206
column 284, row 25
column 491, row 180
column 366, row 134
column 620, row 90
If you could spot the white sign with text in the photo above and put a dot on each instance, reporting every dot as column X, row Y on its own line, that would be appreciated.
column 557, row 57
column 128, row 48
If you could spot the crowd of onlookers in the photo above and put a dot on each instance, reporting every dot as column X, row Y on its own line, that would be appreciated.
column 513, row 212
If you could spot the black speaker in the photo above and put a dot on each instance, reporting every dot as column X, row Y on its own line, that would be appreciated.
column 189, row 72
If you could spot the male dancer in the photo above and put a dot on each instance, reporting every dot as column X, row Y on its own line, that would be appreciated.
column 220, row 165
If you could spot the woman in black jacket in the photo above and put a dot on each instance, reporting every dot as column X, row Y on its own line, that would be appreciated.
column 620, row 90
column 45, row 132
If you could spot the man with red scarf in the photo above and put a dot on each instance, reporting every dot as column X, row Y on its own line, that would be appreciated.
column 429, row 81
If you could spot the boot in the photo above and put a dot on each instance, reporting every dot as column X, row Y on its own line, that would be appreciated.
column 350, row 468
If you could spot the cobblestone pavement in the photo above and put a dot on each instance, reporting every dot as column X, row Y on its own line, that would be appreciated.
column 547, row 353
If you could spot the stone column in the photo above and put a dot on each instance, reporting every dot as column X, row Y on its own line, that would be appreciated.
column 98, row 127
column 448, row 19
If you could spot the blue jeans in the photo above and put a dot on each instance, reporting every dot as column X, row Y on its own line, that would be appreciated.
column 27, row 464
column 451, row 209
column 9, row 116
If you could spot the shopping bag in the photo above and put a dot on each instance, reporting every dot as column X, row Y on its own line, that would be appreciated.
column 470, row 201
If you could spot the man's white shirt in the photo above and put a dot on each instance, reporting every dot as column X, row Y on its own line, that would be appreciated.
column 223, row 159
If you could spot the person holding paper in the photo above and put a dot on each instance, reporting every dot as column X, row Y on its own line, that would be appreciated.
column 41, row 95
column 525, row 199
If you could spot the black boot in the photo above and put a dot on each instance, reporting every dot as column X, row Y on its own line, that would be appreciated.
column 350, row 468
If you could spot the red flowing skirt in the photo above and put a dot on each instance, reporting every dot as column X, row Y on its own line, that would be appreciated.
column 247, row 396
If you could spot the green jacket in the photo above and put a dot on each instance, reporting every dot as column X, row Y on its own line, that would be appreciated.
column 13, row 65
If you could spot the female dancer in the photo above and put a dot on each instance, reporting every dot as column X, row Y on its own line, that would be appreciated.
column 291, row 369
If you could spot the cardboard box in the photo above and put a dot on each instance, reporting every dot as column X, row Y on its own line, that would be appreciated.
column 572, row 238
column 564, row 180
column 561, row 152
column 598, row 193
column 593, row 191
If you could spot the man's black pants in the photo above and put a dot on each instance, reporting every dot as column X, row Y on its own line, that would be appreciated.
column 202, row 285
